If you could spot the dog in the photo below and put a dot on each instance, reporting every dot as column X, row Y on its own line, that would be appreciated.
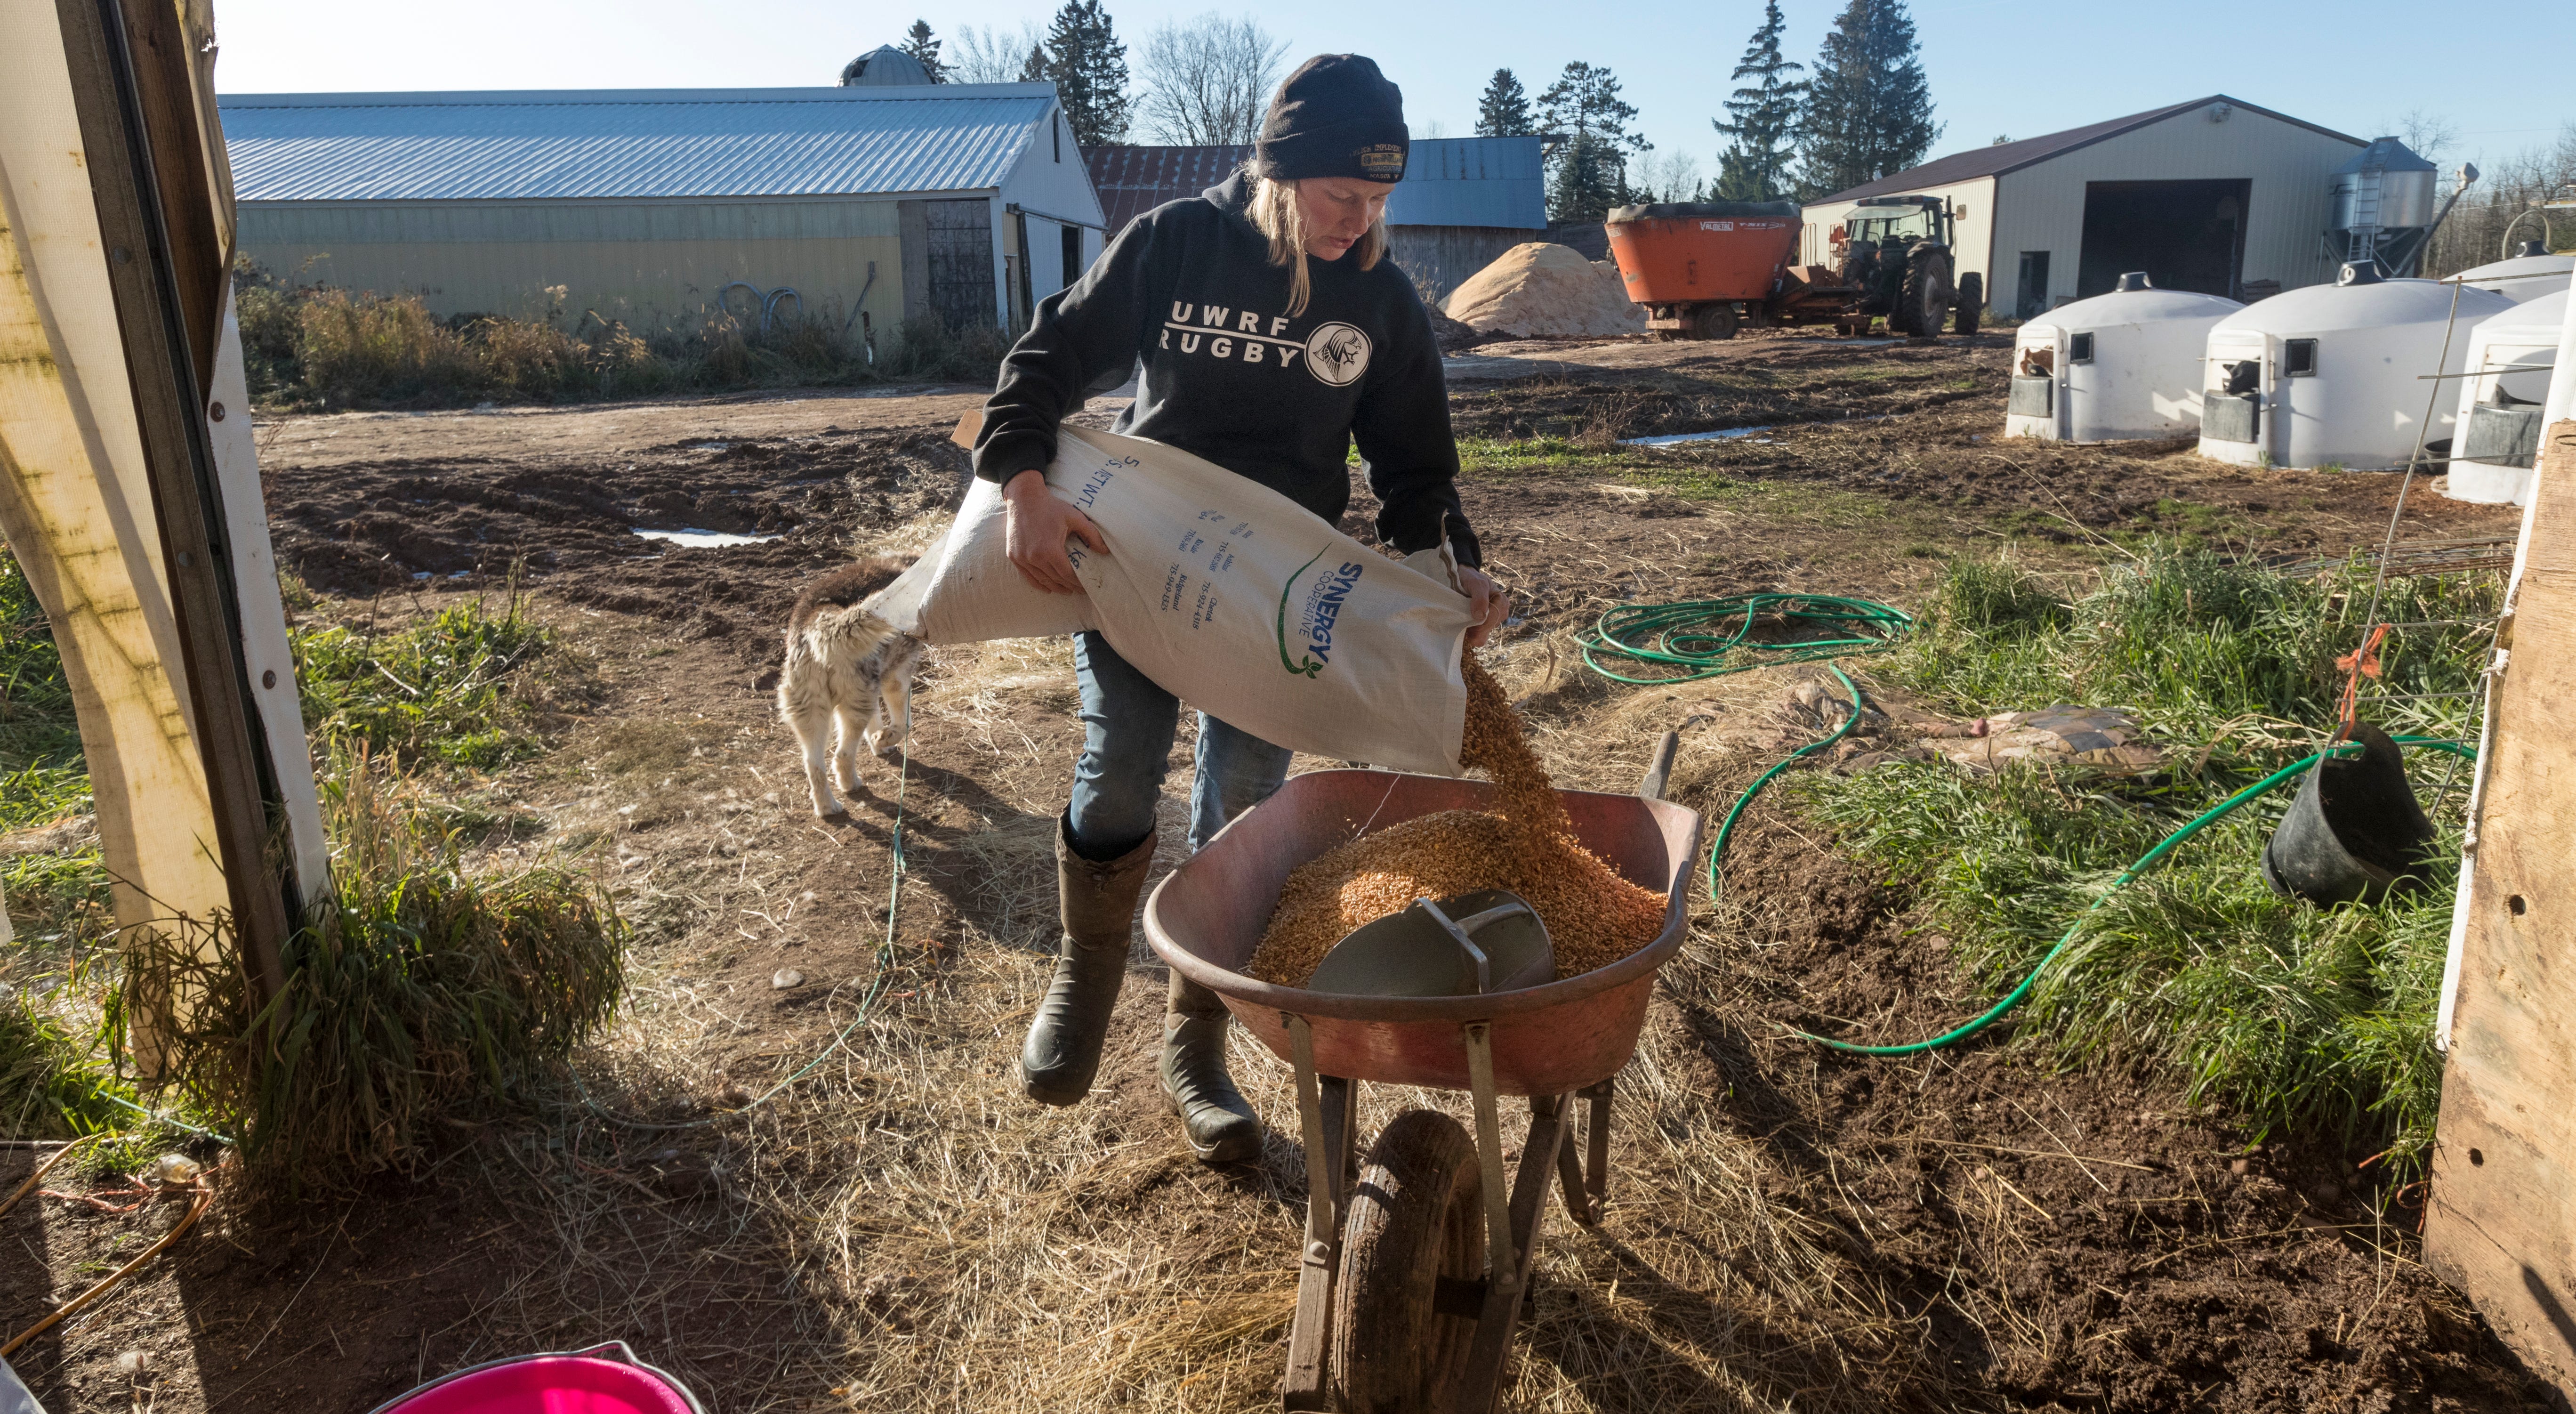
column 842, row 660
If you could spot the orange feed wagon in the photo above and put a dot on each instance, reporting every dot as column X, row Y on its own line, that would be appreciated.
column 1679, row 258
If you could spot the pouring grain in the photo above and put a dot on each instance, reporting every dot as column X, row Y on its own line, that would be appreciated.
column 1526, row 844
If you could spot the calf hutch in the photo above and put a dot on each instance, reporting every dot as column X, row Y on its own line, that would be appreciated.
column 2340, row 375
column 864, row 204
column 2213, row 196
column 2118, row 367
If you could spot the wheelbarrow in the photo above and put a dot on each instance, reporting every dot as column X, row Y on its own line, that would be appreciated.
column 1412, row 1273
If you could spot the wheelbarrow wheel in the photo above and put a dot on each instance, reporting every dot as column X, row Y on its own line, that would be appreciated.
column 1416, row 1219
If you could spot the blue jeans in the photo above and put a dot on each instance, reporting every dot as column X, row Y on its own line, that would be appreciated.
column 1128, row 725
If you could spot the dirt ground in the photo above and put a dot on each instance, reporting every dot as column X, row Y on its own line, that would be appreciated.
column 1788, row 1228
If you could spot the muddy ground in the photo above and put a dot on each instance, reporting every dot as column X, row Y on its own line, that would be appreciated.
column 1788, row 1227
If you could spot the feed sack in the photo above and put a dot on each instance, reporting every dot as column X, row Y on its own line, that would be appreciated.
column 1238, row 600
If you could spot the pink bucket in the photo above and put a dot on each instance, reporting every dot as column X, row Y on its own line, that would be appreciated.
column 605, row 1379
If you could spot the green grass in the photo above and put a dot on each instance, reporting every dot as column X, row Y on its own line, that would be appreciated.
column 441, row 689
column 55, row 1077
column 426, row 988
column 1511, row 456
column 42, row 776
column 40, row 750
column 2302, row 1020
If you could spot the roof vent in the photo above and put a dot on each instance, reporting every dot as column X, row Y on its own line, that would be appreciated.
column 2135, row 280
column 2360, row 272
column 2532, row 248
column 2220, row 112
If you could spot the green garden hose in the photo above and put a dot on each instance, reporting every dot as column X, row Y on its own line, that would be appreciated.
column 1705, row 638
column 2145, row 861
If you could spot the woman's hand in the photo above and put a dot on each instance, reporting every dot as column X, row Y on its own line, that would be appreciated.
column 1036, row 527
column 1485, row 599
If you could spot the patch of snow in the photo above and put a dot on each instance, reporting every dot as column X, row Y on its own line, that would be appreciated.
column 702, row 539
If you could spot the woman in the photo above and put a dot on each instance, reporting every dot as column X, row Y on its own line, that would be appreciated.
column 1273, row 333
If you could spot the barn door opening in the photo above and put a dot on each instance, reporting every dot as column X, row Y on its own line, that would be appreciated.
column 961, row 261
column 1071, row 236
column 2030, row 299
column 2185, row 235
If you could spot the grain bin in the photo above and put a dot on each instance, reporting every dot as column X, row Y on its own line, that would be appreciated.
column 2114, row 368
column 2511, row 356
column 2333, row 375
column 2525, row 276
column 2382, row 206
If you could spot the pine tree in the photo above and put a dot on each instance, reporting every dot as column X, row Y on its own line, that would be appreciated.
column 1089, row 69
column 918, row 43
column 1869, row 109
column 1035, row 70
column 1755, row 167
column 1504, row 111
column 1591, row 159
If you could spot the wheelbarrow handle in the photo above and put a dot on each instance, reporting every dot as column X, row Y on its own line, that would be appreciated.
column 1660, row 774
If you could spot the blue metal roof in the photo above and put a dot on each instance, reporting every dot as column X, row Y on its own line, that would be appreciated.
column 1471, row 181
column 629, row 143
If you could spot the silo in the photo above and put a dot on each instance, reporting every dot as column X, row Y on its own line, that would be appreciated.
column 2114, row 368
column 2511, row 358
column 2524, row 276
column 2333, row 375
column 2382, row 205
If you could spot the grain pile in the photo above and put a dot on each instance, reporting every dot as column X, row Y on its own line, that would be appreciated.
column 1545, row 291
column 1526, row 845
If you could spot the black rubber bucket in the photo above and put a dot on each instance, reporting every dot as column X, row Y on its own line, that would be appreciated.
column 2355, row 834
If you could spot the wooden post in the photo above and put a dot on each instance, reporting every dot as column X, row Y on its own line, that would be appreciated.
column 2501, row 1223
column 162, row 224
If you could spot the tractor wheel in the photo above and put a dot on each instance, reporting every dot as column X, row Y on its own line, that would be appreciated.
column 1417, row 1223
column 1713, row 321
column 1923, row 305
column 1972, row 301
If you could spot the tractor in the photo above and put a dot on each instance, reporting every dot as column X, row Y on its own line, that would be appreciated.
column 1894, row 258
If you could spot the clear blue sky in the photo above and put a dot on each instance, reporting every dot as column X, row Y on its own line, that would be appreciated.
column 2017, row 67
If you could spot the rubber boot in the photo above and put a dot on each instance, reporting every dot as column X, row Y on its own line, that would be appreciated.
column 1096, row 901
column 1215, row 1118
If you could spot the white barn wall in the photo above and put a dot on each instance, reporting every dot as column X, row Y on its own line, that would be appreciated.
column 1051, row 181
column 2041, row 207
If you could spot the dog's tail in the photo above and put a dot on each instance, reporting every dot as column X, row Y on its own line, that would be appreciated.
column 849, row 634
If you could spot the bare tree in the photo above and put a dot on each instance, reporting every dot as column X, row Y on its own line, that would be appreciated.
column 2509, row 206
column 1208, row 80
column 2429, row 135
column 991, row 54
column 1669, row 176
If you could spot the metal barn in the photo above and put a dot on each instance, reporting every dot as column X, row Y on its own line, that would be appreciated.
column 874, row 202
column 2215, row 196
column 1463, row 201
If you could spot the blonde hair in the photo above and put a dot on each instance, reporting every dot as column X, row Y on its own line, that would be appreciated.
column 1275, row 213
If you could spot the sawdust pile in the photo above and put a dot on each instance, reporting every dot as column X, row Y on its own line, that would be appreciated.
column 1545, row 291
column 1593, row 917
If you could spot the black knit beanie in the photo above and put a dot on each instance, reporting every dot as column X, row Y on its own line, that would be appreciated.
column 1337, row 116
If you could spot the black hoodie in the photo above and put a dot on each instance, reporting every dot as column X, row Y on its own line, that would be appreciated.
column 1232, row 377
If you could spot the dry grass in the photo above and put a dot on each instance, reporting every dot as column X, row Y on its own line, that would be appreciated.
column 904, row 1230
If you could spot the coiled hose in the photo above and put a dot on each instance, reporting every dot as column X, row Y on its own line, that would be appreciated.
column 1705, row 638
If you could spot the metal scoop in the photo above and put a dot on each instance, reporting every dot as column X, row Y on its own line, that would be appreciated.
column 1487, row 940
